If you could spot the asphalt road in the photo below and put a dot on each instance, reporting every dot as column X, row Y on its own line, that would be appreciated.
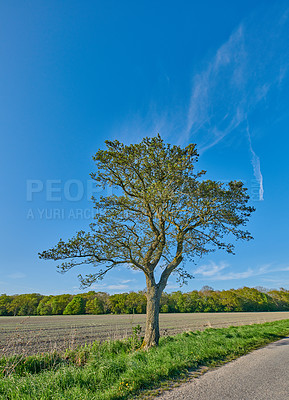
column 260, row 375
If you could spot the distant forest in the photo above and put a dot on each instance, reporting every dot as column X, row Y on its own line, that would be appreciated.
column 205, row 300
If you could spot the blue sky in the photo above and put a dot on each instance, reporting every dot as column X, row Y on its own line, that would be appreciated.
column 74, row 74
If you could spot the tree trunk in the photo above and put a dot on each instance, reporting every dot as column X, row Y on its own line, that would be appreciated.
column 152, row 331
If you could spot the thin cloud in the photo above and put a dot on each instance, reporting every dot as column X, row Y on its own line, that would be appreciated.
column 214, row 272
column 277, row 282
column 98, row 286
column 123, row 281
column 105, row 287
column 238, row 80
column 212, row 114
column 17, row 275
column 117, row 287
column 172, row 286
column 211, row 269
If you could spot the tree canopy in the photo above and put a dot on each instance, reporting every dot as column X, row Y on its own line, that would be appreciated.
column 165, row 213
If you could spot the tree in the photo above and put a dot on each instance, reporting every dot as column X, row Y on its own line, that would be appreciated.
column 4, row 304
column 136, row 303
column 44, row 306
column 162, row 215
column 25, row 304
column 75, row 307
column 94, row 306
column 59, row 303
column 117, row 303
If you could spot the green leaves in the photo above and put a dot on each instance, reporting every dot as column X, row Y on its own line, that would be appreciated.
column 163, row 214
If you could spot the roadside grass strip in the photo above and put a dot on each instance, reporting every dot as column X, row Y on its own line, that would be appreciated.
column 120, row 370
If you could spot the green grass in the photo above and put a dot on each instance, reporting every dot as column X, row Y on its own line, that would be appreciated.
column 118, row 370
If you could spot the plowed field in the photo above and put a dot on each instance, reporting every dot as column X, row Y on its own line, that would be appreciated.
column 36, row 334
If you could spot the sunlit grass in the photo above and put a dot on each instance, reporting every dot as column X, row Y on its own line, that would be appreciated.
column 119, row 370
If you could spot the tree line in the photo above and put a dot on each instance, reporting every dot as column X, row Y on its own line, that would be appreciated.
column 205, row 300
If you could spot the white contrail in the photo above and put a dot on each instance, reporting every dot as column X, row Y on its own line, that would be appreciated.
column 255, row 160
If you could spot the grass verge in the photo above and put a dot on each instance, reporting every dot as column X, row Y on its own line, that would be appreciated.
column 118, row 370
